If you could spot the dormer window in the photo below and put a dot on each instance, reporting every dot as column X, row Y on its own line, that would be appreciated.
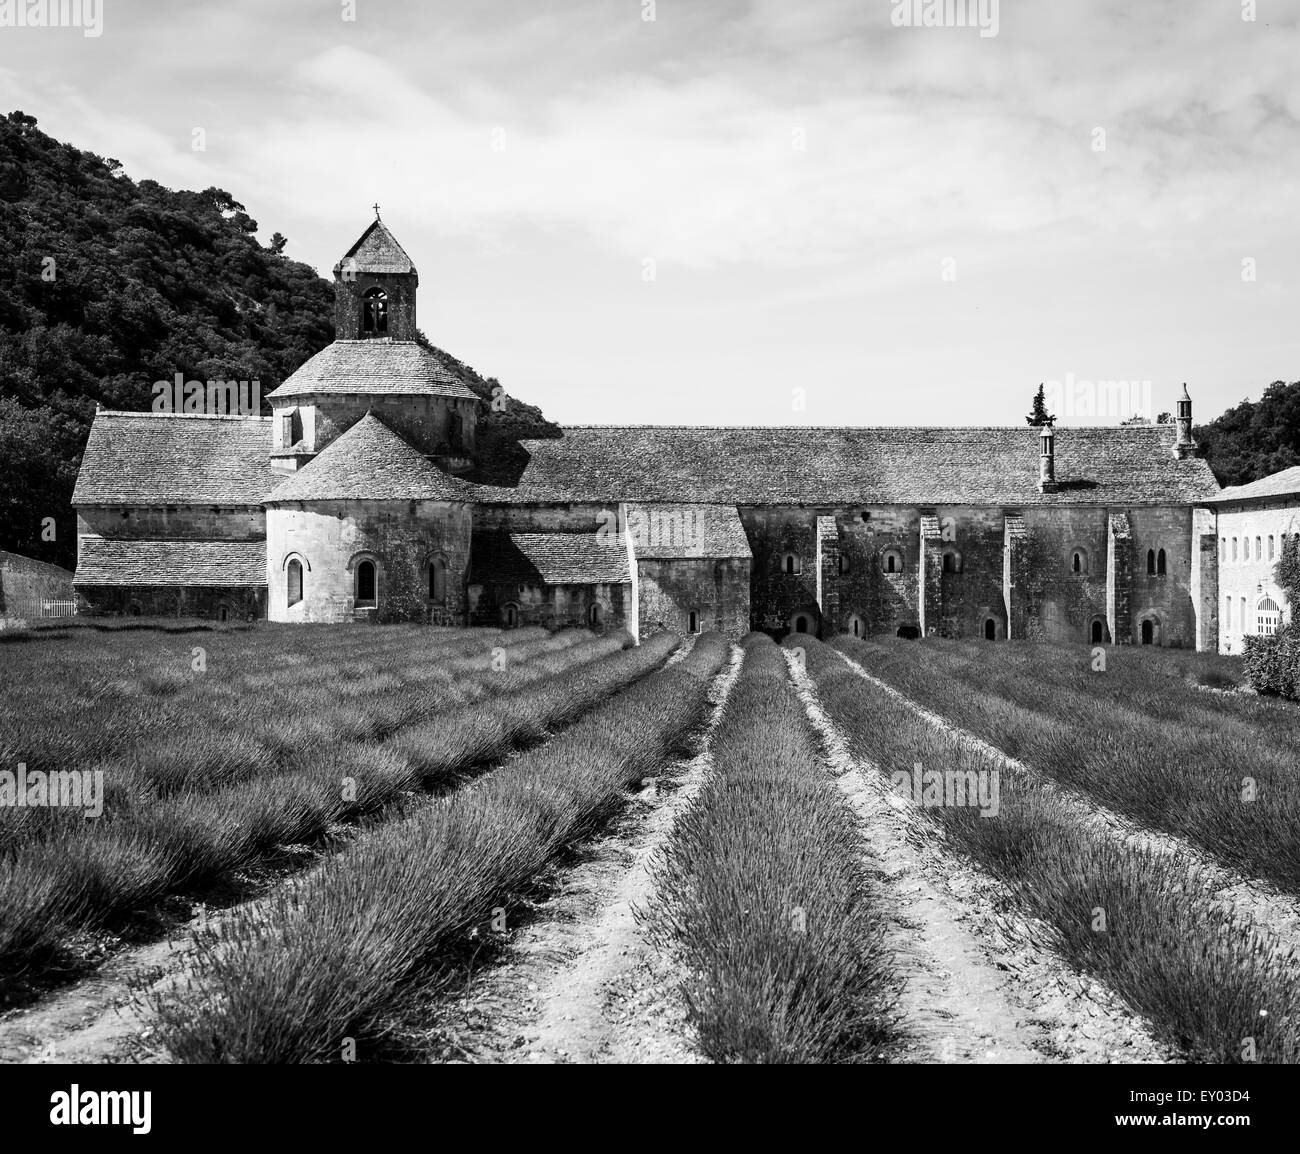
column 374, row 313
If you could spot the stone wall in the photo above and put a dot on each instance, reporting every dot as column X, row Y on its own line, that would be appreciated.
column 233, row 604
column 1165, row 601
column 175, row 522
column 1060, row 604
column 552, row 606
column 717, row 589
column 330, row 538
column 423, row 421
column 25, row 583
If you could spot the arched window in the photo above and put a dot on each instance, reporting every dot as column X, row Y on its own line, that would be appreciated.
column 694, row 622
column 295, row 581
column 1234, row 548
column 951, row 561
column 1151, row 562
column 892, row 561
column 510, row 615
column 1227, row 612
column 455, row 430
column 595, row 615
column 843, row 564
column 1270, row 617
column 374, row 312
column 366, row 583
column 857, row 626
column 438, row 581
column 1079, row 561
column 1223, row 548
column 791, row 563
column 1160, row 563
column 1259, row 549
column 1270, row 546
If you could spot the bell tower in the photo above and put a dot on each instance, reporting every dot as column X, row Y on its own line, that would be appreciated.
column 374, row 288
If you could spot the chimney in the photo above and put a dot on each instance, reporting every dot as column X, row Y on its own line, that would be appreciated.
column 1184, row 446
column 1047, row 460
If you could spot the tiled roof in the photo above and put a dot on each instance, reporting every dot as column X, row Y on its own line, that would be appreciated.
column 1128, row 465
column 214, row 563
column 370, row 463
column 549, row 558
column 1283, row 484
column 380, row 366
column 666, row 531
column 175, row 459
column 376, row 250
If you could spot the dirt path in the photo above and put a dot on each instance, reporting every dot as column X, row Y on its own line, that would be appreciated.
column 978, row 985
column 1256, row 901
column 582, row 983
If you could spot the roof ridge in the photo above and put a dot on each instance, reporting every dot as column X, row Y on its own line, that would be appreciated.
column 188, row 416
column 874, row 428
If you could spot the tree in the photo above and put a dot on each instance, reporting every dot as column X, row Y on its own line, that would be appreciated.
column 1039, row 416
column 1255, row 438
column 278, row 241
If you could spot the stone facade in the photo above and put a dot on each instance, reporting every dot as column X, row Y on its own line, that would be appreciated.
column 402, row 540
column 1251, row 533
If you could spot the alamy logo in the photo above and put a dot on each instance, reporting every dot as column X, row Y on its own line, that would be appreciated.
column 88, row 15
column 981, row 14
column 77, row 1107
column 211, row 398
column 66, row 788
column 681, row 530
column 950, row 788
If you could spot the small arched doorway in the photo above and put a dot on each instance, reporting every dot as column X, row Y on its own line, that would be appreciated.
column 366, row 583
column 510, row 615
column 595, row 615
column 1098, row 632
column 694, row 621
column 801, row 623
column 1148, row 633
column 857, row 626
column 990, row 630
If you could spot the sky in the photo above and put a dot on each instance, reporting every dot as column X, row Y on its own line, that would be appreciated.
column 751, row 212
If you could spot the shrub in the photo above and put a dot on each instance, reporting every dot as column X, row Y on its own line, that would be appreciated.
column 1272, row 664
column 762, row 892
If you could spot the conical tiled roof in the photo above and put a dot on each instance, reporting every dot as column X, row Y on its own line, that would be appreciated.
column 376, row 250
column 370, row 463
column 380, row 366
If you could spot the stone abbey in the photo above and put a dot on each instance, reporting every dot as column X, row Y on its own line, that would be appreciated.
column 363, row 497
